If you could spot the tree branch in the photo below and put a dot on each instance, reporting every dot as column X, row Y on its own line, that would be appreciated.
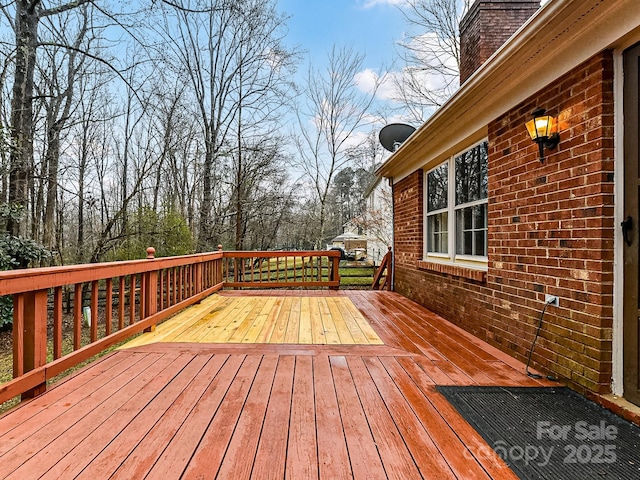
column 61, row 8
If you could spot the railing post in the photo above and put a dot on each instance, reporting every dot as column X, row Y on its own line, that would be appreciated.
column 30, row 331
column 387, row 263
column 335, row 272
column 150, row 300
column 388, row 279
column 219, row 268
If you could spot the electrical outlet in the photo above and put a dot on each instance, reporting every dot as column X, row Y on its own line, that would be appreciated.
column 552, row 300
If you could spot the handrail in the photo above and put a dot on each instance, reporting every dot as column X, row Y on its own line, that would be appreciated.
column 137, row 294
column 385, row 264
column 281, row 269
column 142, row 292
column 49, row 277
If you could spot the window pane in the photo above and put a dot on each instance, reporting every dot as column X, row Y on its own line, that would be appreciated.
column 471, row 230
column 468, row 218
column 467, row 245
column 479, row 242
column 437, row 188
column 471, row 174
column 481, row 226
column 437, row 233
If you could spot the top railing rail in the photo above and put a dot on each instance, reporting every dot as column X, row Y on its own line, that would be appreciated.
column 25, row 280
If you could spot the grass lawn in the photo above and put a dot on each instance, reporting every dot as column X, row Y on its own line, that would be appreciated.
column 356, row 276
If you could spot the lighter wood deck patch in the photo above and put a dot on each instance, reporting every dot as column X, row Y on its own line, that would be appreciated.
column 259, row 319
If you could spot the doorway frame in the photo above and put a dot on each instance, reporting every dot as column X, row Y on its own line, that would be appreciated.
column 617, row 380
column 617, row 377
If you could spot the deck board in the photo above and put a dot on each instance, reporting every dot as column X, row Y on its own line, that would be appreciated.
column 320, row 406
column 209, row 454
column 177, row 453
column 121, row 434
column 73, row 427
column 302, row 447
column 333, row 457
column 365, row 462
column 271, row 456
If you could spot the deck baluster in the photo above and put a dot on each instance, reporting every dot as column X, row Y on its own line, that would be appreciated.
column 108, row 311
column 18, row 335
column 77, row 316
column 57, row 323
column 121, row 288
column 94, row 311
column 132, row 299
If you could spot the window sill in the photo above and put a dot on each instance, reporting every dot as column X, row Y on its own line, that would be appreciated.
column 474, row 274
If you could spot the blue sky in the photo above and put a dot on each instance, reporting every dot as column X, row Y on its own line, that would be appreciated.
column 371, row 27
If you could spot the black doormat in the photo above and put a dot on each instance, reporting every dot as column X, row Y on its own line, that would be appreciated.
column 550, row 433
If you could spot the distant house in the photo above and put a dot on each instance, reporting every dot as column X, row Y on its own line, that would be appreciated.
column 354, row 245
column 484, row 230
column 377, row 219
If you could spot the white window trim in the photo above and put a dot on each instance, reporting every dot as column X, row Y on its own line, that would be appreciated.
column 450, row 258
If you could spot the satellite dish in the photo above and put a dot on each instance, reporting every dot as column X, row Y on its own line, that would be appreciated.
column 394, row 134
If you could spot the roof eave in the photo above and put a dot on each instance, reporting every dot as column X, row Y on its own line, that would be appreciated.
column 556, row 39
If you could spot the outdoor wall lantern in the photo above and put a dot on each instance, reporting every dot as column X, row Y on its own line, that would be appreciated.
column 543, row 130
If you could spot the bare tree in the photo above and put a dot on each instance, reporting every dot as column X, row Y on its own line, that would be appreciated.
column 332, row 112
column 237, row 67
column 430, row 55
column 28, row 14
column 57, row 89
column 262, row 90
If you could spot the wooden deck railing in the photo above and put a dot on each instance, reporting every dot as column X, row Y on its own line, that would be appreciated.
column 281, row 269
column 137, row 294
column 121, row 299
column 384, row 273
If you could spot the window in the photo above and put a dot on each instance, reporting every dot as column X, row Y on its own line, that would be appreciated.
column 437, row 214
column 456, row 193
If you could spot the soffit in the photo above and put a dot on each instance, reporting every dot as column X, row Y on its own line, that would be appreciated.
column 558, row 38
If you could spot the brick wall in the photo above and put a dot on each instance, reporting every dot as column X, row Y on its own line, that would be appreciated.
column 408, row 234
column 487, row 25
column 551, row 231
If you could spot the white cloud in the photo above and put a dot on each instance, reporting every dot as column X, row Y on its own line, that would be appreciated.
column 374, row 3
column 366, row 80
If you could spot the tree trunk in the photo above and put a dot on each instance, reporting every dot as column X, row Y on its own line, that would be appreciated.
column 52, row 160
column 239, row 219
column 204, row 232
column 21, row 157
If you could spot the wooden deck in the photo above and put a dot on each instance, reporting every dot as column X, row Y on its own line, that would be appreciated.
column 260, row 410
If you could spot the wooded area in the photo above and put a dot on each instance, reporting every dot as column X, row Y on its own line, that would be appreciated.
column 168, row 123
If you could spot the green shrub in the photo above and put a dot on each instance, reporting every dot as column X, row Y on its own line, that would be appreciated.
column 15, row 252
column 167, row 232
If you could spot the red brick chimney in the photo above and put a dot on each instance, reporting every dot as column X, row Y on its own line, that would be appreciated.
column 486, row 26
